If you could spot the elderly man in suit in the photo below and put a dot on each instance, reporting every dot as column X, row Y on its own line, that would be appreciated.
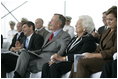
column 39, row 29
column 54, row 43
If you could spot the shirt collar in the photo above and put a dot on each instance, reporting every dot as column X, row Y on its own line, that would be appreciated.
column 38, row 29
column 28, row 37
column 19, row 33
column 56, row 32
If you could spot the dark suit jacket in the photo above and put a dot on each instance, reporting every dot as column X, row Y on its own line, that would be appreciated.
column 87, row 44
column 101, row 29
column 35, row 43
column 20, row 38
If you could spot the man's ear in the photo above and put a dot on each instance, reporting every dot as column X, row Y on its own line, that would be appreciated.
column 31, row 28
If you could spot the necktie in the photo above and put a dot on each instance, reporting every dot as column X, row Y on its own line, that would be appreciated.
column 26, row 43
column 36, row 31
column 51, row 36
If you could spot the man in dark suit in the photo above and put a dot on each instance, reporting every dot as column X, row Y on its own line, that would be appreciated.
column 8, row 60
column 54, row 43
column 103, row 28
column 39, row 28
column 18, row 36
column 34, row 42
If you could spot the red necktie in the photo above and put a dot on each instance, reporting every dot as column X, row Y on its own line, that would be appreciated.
column 51, row 36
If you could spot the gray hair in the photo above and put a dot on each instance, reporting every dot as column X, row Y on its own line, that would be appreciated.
column 87, row 23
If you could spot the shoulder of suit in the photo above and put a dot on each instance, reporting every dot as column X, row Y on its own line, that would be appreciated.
column 65, row 33
column 43, row 29
column 88, row 37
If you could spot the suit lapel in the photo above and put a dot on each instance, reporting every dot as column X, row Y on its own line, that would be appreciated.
column 108, row 38
column 46, row 39
column 104, row 37
column 30, row 42
column 78, row 42
column 69, row 44
column 21, row 35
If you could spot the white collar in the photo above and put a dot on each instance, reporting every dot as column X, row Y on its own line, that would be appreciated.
column 38, row 29
column 28, row 37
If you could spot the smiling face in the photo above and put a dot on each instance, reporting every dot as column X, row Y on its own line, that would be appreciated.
column 27, row 30
column 111, row 21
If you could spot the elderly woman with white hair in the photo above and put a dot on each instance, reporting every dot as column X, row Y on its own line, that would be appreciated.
column 93, row 62
column 82, row 42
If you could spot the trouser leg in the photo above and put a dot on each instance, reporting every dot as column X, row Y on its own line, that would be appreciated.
column 22, row 63
column 45, row 71
column 58, row 69
column 86, row 67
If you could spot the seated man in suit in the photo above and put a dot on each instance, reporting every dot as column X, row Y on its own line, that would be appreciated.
column 83, row 42
column 39, row 28
column 35, row 42
column 8, row 60
column 54, row 43
column 103, row 28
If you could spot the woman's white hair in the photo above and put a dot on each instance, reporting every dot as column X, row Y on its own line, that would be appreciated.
column 87, row 23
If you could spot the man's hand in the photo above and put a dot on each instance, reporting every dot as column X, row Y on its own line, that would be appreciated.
column 17, row 47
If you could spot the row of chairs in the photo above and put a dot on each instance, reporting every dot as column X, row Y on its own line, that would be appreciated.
column 38, row 75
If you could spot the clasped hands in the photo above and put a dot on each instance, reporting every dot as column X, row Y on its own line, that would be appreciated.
column 56, row 58
column 17, row 47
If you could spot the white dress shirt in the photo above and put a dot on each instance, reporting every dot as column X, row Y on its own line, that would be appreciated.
column 28, row 40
